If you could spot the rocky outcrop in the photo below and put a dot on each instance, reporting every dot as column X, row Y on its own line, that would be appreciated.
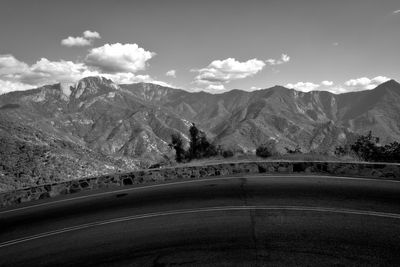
column 371, row 170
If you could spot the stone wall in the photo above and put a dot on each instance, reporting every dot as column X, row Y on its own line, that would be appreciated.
column 373, row 170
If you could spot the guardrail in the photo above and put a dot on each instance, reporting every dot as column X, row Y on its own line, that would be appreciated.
column 372, row 170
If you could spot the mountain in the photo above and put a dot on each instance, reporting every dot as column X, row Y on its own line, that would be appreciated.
column 96, row 126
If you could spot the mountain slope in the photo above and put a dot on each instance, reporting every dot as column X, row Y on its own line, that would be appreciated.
column 107, row 127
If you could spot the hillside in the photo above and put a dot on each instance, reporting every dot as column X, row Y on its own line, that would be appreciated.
column 96, row 126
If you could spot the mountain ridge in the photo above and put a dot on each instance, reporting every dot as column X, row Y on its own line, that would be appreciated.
column 128, row 126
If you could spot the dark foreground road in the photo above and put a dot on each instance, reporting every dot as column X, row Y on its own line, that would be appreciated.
column 242, row 221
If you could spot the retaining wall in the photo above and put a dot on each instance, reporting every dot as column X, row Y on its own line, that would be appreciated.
column 373, row 170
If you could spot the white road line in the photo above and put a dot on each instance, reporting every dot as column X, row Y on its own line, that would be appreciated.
column 200, row 210
column 195, row 181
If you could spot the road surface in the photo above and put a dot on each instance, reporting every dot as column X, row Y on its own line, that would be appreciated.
column 224, row 221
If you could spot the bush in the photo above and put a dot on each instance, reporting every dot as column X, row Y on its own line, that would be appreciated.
column 391, row 152
column 267, row 149
column 296, row 150
column 227, row 153
column 367, row 148
column 262, row 151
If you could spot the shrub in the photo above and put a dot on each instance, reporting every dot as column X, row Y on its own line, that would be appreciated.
column 263, row 151
column 367, row 148
column 267, row 149
column 227, row 153
column 296, row 150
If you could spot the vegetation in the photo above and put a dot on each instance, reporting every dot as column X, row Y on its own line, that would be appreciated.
column 296, row 150
column 178, row 146
column 199, row 146
column 227, row 153
column 267, row 149
column 367, row 147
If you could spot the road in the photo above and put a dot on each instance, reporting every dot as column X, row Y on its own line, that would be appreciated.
column 225, row 221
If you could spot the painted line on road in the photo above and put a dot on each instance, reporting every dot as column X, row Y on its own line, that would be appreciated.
column 193, row 181
column 200, row 210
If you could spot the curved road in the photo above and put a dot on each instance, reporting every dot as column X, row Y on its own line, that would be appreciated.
column 224, row 221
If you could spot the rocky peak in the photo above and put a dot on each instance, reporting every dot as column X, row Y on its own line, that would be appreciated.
column 92, row 86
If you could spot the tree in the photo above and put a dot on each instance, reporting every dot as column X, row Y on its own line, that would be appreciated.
column 194, row 141
column 199, row 146
column 177, row 144
column 366, row 147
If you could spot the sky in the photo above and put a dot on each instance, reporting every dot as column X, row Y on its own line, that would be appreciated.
column 214, row 46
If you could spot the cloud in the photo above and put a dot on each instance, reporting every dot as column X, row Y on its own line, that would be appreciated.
column 17, row 75
column 84, row 40
column 215, row 87
column 115, row 58
column 303, row 86
column 327, row 83
column 221, row 71
column 171, row 73
column 10, row 65
column 365, row 83
column 396, row 11
column 351, row 85
column 45, row 71
column 284, row 59
column 76, row 41
column 91, row 35
column 9, row 86
column 128, row 77
column 335, row 44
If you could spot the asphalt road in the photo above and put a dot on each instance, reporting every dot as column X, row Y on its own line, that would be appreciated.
column 237, row 221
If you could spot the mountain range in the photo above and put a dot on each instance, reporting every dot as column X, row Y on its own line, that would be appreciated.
column 65, row 131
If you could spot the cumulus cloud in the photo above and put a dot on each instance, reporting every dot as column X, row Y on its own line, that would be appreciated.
column 365, row 83
column 84, row 40
column 284, row 59
column 303, row 86
column 45, row 71
column 351, row 85
column 171, row 73
column 91, row 35
column 10, row 65
column 17, row 75
column 76, row 41
column 327, row 83
column 128, row 77
column 221, row 71
column 115, row 58
column 9, row 86
column 215, row 87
